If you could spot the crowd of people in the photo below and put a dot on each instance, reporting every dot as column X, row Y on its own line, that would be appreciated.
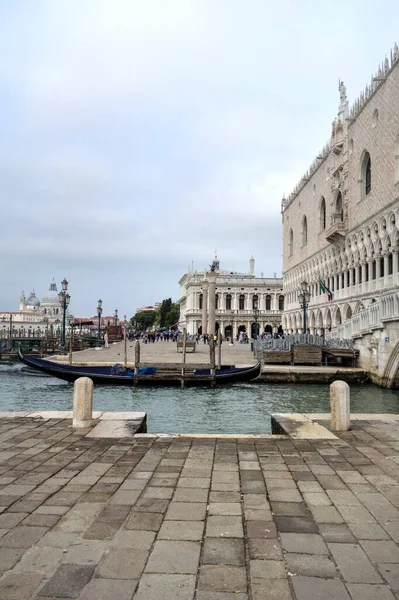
column 151, row 337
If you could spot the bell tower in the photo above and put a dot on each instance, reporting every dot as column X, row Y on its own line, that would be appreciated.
column 22, row 301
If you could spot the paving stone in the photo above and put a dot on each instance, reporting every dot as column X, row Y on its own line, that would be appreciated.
column 224, row 527
column 319, row 589
column 105, row 589
column 381, row 551
column 186, row 511
column 154, row 505
column 19, row 586
column 224, row 497
column 390, row 572
column 336, row 532
column 174, row 557
column 23, row 537
column 181, row 530
column 220, row 596
column 290, row 509
column 122, row 563
column 58, row 539
column 270, row 589
column 296, row 525
column 101, row 531
column 227, row 509
column 356, row 514
column 264, row 549
column 68, row 581
column 326, row 514
column 261, row 529
column 373, row 531
column 190, row 495
column 9, row 520
column 219, row 551
column 40, row 560
column 222, row 578
column 343, row 498
column 166, row 587
column 36, row 520
column 140, row 540
column 307, row 543
column 9, row 556
column 269, row 569
column 279, row 495
column 311, row 565
column 316, row 499
column 51, row 510
column 144, row 521
column 85, row 553
column 353, row 563
column 164, row 493
column 364, row 591
column 194, row 482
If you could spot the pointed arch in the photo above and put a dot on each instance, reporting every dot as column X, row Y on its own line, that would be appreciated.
column 339, row 209
column 365, row 175
column 304, row 230
column 291, row 243
column 322, row 214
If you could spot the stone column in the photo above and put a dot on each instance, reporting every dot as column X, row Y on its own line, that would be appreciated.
column 386, row 268
column 340, row 406
column 211, row 300
column 82, row 402
column 377, row 269
column 350, row 277
column 205, row 286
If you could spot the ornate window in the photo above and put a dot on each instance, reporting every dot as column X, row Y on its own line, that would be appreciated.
column 281, row 303
column 339, row 211
column 216, row 301
column 241, row 302
column 200, row 301
column 228, row 302
column 268, row 302
column 365, row 175
column 304, row 231
column 322, row 214
column 291, row 243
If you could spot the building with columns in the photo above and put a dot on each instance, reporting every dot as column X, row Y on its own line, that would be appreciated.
column 340, row 224
column 241, row 300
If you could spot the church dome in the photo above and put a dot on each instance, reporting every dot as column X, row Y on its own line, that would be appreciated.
column 32, row 301
column 52, row 295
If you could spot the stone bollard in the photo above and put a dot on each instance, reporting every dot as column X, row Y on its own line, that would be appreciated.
column 82, row 402
column 340, row 406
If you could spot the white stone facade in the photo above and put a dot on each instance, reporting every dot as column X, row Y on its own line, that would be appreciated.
column 236, row 296
column 340, row 225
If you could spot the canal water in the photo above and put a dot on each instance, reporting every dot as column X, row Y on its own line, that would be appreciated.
column 241, row 409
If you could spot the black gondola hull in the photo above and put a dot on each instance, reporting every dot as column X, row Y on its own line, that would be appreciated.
column 102, row 375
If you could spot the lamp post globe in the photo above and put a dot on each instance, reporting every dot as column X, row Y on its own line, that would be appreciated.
column 64, row 300
column 304, row 299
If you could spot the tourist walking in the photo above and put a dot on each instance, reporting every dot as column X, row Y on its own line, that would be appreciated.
column 106, row 345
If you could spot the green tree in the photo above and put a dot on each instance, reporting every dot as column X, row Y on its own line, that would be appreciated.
column 172, row 318
column 144, row 319
column 164, row 312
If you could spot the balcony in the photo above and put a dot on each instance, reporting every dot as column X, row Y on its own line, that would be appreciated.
column 338, row 230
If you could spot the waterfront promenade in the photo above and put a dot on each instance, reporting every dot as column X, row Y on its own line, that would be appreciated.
column 204, row 518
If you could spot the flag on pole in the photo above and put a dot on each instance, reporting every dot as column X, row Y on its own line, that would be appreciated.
column 324, row 289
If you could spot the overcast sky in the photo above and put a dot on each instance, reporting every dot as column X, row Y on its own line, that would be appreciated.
column 137, row 136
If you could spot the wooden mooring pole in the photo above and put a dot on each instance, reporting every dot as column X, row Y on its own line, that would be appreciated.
column 136, row 362
column 184, row 355
column 219, row 349
column 212, row 361
column 70, row 347
column 125, row 350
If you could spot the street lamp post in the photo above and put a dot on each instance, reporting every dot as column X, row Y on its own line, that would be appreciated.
column 64, row 299
column 116, row 322
column 99, row 312
column 256, row 313
column 304, row 299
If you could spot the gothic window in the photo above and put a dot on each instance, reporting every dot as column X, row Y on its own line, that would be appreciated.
column 365, row 175
column 281, row 303
column 200, row 301
column 339, row 211
column 390, row 264
column 373, row 270
column 367, row 272
column 241, row 302
column 382, row 266
column 304, row 231
column 216, row 301
column 322, row 214
column 268, row 302
column 228, row 302
column 291, row 243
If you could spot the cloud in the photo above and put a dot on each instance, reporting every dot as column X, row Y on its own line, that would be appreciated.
column 136, row 137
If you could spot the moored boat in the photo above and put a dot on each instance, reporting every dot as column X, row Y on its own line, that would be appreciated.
column 150, row 376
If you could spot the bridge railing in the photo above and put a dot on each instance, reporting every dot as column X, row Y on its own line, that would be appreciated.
column 287, row 341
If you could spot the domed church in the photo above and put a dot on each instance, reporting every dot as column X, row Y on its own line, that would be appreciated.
column 48, row 308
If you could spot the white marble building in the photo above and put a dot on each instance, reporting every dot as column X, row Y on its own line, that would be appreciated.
column 237, row 296
column 340, row 224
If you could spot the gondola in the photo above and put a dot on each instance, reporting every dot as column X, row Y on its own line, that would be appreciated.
column 149, row 376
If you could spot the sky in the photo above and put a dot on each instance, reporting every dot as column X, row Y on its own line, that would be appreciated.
column 138, row 136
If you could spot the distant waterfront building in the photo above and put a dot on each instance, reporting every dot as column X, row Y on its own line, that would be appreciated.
column 340, row 228
column 241, row 300
column 33, row 314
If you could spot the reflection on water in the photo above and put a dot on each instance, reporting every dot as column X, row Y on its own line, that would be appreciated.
column 242, row 408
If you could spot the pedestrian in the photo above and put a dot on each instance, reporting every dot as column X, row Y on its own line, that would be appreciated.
column 106, row 345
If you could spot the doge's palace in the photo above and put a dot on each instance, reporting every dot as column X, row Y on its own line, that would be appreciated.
column 340, row 224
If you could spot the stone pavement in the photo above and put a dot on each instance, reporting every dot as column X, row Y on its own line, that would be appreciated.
column 183, row 518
